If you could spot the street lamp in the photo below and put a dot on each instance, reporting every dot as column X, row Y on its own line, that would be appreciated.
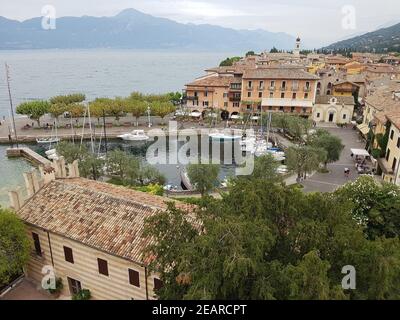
column 148, row 115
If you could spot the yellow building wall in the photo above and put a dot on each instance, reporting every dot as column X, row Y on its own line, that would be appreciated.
column 115, row 286
column 276, row 92
column 217, row 97
column 394, row 153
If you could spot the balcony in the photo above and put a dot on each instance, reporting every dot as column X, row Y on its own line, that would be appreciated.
column 191, row 98
column 283, row 88
column 261, row 88
column 272, row 88
column 307, row 89
column 295, row 88
column 249, row 88
column 236, row 87
column 235, row 99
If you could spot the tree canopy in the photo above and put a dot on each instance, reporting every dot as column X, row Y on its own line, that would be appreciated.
column 204, row 177
column 34, row 109
column 264, row 240
column 228, row 62
column 14, row 246
column 331, row 144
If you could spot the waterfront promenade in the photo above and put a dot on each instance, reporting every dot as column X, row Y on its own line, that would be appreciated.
column 114, row 128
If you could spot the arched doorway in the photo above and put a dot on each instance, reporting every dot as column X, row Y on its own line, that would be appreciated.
column 331, row 116
column 224, row 115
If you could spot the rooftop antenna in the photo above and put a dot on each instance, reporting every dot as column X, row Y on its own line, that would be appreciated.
column 11, row 104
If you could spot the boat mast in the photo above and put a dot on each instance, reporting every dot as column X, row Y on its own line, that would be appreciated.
column 90, row 128
column 105, row 131
column 11, row 103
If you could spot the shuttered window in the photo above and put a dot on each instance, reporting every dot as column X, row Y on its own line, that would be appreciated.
column 134, row 278
column 69, row 257
column 158, row 284
column 103, row 266
column 36, row 242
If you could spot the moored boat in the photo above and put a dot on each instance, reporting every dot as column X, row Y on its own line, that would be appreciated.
column 135, row 135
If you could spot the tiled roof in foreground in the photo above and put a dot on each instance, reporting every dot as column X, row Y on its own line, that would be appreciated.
column 100, row 215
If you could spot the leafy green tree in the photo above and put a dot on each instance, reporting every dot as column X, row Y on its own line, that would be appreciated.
column 204, row 177
column 34, row 109
column 228, row 62
column 172, row 232
column 98, row 109
column 76, row 110
column 137, row 108
column 331, row 144
column 68, row 99
column 265, row 167
column 137, row 96
column 175, row 97
column 118, row 162
column 150, row 175
column 71, row 152
column 264, row 240
column 250, row 53
column 14, row 246
column 56, row 110
column 310, row 281
column 304, row 159
column 116, row 108
column 274, row 50
column 374, row 206
column 91, row 166
column 162, row 109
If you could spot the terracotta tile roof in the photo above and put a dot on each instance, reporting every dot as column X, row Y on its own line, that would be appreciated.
column 382, row 98
column 213, row 81
column 345, row 81
column 279, row 73
column 99, row 215
column 382, row 68
column 357, row 78
column 394, row 118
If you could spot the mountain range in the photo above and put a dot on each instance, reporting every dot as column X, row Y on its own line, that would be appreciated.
column 380, row 41
column 137, row 30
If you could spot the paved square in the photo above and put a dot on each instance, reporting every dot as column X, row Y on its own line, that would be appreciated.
column 328, row 182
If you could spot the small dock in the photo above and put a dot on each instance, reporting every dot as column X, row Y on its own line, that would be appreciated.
column 28, row 154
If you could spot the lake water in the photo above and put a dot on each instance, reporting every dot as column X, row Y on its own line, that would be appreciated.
column 11, row 171
column 41, row 74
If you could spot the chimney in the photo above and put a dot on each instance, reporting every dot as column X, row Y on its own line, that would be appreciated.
column 31, row 182
column 47, row 173
column 16, row 199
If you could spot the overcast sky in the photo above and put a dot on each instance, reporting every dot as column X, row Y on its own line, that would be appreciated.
column 316, row 21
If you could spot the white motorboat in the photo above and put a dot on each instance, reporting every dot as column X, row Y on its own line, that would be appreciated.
column 52, row 154
column 135, row 135
column 224, row 135
column 50, row 140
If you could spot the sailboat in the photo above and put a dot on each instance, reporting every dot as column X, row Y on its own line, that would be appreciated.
column 50, row 140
